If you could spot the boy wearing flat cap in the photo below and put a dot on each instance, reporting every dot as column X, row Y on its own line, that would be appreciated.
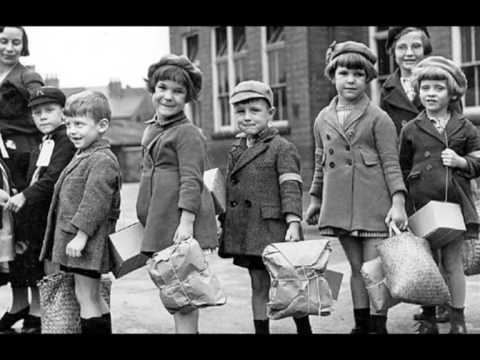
column 439, row 155
column 32, row 204
column 264, row 194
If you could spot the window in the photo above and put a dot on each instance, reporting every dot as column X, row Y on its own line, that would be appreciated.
column 274, row 68
column 470, row 62
column 229, row 62
column 190, row 49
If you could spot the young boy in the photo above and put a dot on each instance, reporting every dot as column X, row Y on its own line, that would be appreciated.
column 32, row 205
column 85, row 207
column 439, row 154
column 264, row 194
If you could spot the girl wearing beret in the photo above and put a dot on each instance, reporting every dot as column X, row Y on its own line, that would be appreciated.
column 173, row 204
column 439, row 150
column 357, row 187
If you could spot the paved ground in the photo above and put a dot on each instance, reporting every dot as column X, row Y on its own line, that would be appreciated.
column 136, row 306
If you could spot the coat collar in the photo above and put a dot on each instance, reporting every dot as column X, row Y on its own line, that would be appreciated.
column 166, row 123
column 95, row 146
column 457, row 120
column 395, row 94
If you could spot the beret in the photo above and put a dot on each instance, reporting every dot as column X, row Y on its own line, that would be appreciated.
column 47, row 94
column 251, row 89
column 335, row 49
column 394, row 31
column 447, row 65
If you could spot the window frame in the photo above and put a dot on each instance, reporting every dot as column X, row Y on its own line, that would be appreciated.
column 192, row 108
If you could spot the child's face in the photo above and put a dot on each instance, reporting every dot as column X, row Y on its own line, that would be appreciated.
column 11, row 45
column 169, row 98
column 350, row 83
column 83, row 130
column 409, row 50
column 253, row 116
column 47, row 117
column 434, row 95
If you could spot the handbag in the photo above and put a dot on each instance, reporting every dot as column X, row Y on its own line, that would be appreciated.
column 411, row 274
column 60, row 311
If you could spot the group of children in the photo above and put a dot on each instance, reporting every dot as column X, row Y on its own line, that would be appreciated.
column 367, row 177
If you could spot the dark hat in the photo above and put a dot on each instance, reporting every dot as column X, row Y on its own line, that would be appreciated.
column 184, row 63
column 336, row 49
column 251, row 89
column 447, row 65
column 394, row 32
column 47, row 94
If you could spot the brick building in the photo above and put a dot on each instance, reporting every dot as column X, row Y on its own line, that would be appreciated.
column 292, row 59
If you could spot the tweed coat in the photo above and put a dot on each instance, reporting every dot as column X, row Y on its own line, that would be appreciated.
column 425, row 175
column 257, row 203
column 174, row 160
column 26, row 269
column 356, row 167
column 86, row 197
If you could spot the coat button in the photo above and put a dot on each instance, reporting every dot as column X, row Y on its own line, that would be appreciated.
column 234, row 181
column 330, row 151
column 429, row 167
column 248, row 203
column 233, row 203
column 349, row 162
column 328, row 136
column 403, row 123
column 347, row 147
column 427, row 154
column 332, row 164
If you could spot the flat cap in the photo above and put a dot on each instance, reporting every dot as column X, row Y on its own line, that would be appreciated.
column 47, row 94
column 251, row 89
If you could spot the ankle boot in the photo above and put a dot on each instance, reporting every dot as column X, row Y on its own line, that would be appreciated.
column 261, row 326
column 457, row 321
column 378, row 324
column 94, row 325
column 362, row 320
column 303, row 325
column 108, row 318
column 427, row 324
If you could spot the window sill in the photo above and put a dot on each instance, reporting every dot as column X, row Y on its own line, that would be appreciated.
column 281, row 125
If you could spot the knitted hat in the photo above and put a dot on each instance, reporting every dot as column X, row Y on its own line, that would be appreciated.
column 394, row 32
column 335, row 49
column 447, row 65
column 251, row 89
column 181, row 61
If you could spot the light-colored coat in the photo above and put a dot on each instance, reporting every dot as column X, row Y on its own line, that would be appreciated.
column 86, row 197
column 357, row 169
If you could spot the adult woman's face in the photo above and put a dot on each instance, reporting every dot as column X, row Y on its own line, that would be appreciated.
column 409, row 51
column 11, row 45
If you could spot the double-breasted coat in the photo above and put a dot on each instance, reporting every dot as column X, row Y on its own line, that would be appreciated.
column 174, row 160
column 26, row 269
column 356, row 167
column 421, row 146
column 263, row 185
column 86, row 197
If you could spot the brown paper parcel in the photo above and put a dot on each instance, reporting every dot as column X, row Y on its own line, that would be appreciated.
column 298, row 286
column 215, row 183
column 374, row 279
column 185, row 281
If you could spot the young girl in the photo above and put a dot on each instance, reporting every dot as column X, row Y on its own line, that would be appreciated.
column 357, row 187
column 173, row 204
column 440, row 151
column 264, row 194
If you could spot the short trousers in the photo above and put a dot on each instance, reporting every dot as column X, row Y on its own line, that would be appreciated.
column 253, row 262
column 85, row 272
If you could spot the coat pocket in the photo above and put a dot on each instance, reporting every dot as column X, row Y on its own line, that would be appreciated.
column 369, row 158
column 414, row 175
column 66, row 226
column 271, row 212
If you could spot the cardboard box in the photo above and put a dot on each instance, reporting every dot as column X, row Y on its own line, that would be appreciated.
column 126, row 249
column 438, row 222
column 215, row 183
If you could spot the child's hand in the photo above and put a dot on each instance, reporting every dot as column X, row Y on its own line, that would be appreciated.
column 3, row 197
column 293, row 231
column 15, row 203
column 219, row 227
column 313, row 211
column 185, row 227
column 451, row 159
column 77, row 244
column 397, row 212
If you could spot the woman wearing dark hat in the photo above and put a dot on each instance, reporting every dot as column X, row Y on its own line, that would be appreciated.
column 408, row 45
column 172, row 203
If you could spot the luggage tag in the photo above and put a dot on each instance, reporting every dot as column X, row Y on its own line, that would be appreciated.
column 3, row 149
column 45, row 153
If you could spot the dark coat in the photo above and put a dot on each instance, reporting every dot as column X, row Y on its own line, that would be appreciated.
column 396, row 103
column 420, row 158
column 26, row 269
column 257, row 203
column 356, row 167
column 86, row 197
column 174, row 160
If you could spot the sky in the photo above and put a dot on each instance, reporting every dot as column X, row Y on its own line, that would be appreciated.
column 93, row 55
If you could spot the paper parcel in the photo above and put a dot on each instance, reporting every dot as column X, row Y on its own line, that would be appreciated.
column 299, row 286
column 438, row 222
column 215, row 183
column 126, row 249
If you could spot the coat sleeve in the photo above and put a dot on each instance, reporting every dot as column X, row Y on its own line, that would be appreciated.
column 472, row 145
column 317, row 181
column 387, row 144
column 405, row 153
column 103, row 180
column 42, row 189
column 191, row 154
column 289, row 179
